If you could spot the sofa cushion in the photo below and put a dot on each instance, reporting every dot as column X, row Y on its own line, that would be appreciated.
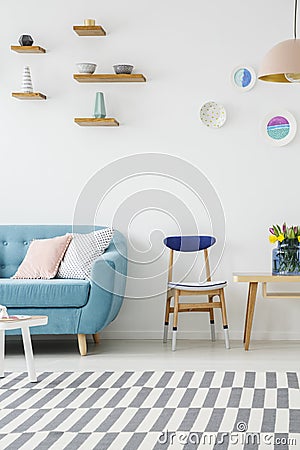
column 15, row 239
column 82, row 252
column 44, row 293
column 43, row 258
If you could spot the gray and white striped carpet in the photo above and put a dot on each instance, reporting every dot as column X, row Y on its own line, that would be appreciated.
column 150, row 410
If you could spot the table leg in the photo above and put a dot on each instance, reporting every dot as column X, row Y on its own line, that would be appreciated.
column 29, row 354
column 2, row 348
column 250, row 312
column 247, row 312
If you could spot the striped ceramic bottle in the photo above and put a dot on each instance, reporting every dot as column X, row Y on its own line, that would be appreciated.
column 26, row 80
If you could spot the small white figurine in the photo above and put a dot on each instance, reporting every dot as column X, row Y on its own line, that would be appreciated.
column 3, row 312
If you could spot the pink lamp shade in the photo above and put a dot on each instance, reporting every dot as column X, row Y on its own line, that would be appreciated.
column 282, row 63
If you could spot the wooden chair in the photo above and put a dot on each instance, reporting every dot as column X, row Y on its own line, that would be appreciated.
column 207, row 288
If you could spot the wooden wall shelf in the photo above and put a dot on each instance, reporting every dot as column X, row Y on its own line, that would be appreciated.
column 27, row 49
column 29, row 95
column 92, row 122
column 109, row 78
column 95, row 30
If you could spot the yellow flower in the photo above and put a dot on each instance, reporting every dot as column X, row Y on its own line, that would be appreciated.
column 280, row 238
column 298, row 238
column 273, row 238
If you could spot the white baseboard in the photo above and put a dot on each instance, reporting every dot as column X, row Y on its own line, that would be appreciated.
column 195, row 335
column 157, row 335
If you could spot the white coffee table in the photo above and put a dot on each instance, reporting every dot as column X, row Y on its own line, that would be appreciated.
column 23, row 324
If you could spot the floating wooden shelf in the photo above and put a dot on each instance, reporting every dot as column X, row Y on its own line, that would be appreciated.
column 92, row 122
column 29, row 95
column 27, row 49
column 95, row 30
column 108, row 78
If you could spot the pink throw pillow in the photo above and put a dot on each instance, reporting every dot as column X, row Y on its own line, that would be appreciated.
column 43, row 258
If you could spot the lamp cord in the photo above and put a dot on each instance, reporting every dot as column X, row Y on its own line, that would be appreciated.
column 295, row 19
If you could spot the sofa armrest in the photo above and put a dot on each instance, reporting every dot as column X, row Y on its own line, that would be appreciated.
column 108, row 282
column 110, row 269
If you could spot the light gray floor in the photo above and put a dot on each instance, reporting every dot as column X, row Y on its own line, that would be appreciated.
column 62, row 355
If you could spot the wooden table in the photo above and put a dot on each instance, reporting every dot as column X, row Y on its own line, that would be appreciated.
column 23, row 324
column 253, row 279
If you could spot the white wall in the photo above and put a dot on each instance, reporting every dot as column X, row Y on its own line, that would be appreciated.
column 187, row 50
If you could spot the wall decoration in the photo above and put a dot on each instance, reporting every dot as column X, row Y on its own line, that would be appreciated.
column 280, row 128
column 99, row 111
column 123, row 73
column 243, row 78
column 25, row 40
column 26, row 81
column 213, row 115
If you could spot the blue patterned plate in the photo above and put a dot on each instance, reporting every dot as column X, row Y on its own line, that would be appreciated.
column 243, row 78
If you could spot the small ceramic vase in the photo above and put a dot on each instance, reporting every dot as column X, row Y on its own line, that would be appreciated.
column 99, row 111
column 26, row 81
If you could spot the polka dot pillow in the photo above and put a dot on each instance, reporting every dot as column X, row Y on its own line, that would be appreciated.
column 82, row 252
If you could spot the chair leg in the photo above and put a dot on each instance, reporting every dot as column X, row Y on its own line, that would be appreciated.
column 167, row 314
column 212, row 320
column 82, row 344
column 175, row 320
column 96, row 338
column 224, row 319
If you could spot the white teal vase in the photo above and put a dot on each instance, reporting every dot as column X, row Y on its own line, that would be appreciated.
column 99, row 111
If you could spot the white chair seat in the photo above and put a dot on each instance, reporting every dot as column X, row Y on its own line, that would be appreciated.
column 197, row 286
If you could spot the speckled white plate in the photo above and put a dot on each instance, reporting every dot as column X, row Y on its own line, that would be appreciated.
column 213, row 115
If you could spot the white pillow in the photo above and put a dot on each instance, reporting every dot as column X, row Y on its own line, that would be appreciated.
column 82, row 252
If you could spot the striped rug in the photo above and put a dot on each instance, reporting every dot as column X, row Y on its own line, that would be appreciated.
column 150, row 410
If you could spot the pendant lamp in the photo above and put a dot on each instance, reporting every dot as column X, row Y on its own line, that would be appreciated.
column 282, row 63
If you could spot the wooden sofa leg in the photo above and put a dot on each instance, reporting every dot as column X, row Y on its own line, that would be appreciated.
column 96, row 338
column 82, row 344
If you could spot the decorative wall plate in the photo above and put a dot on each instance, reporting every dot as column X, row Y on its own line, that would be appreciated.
column 213, row 115
column 280, row 128
column 243, row 78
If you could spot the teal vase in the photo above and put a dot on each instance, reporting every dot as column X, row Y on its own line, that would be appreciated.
column 99, row 111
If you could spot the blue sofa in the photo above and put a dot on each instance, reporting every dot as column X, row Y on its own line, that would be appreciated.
column 73, row 306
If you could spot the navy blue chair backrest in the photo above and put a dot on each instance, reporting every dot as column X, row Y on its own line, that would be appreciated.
column 189, row 243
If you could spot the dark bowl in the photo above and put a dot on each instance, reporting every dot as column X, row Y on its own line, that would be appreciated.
column 123, row 68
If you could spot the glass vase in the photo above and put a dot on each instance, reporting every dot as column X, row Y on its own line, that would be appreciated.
column 286, row 258
column 99, row 111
